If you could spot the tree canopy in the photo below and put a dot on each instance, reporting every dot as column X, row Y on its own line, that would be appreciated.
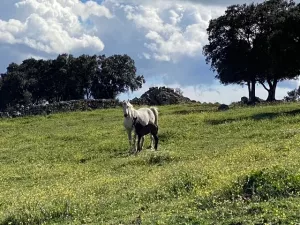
column 68, row 78
column 255, row 43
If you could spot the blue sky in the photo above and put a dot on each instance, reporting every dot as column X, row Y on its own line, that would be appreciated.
column 165, row 38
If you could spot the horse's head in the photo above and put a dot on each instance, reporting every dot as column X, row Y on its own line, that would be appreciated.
column 126, row 108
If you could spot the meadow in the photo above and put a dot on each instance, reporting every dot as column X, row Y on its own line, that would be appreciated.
column 240, row 166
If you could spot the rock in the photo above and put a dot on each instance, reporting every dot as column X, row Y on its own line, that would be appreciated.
column 16, row 114
column 160, row 96
column 223, row 107
column 259, row 100
column 244, row 100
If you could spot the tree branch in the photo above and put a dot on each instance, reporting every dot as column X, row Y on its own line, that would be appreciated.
column 262, row 83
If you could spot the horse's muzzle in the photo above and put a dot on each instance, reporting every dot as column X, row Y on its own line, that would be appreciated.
column 125, row 115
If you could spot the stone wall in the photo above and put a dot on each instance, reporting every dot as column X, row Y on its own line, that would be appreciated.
column 56, row 107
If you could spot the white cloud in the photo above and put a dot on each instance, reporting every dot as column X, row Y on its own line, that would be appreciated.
column 172, row 29
column 161, row 57
column 53, row 26
column 146, row 55
column 175, row 17
column 85, row 10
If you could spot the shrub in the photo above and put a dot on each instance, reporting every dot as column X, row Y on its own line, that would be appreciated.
column 266, row 184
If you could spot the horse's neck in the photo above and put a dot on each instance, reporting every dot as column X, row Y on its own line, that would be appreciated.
column 132, row 113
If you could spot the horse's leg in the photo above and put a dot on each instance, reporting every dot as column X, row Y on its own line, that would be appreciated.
column 151, row 141
column 129, row 139
column 138, row 144
column 142, row 142
column 134, row 140
column 151, row 135
column 156, row 141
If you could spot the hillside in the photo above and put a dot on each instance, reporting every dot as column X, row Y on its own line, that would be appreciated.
column 240, row 166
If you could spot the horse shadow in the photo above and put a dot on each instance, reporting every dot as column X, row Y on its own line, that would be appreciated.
column 223, row 121
column 273, row 115
column 186, row 111
column 257, row 117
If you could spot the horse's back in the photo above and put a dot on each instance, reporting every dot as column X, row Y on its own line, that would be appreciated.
column 145, row 116
column 144, row 110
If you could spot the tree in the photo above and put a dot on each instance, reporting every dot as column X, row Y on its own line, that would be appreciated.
column 230, row 47
column 31, row 70
column 43, row 77
column 276, row 44
column 67, row 78
column 293, row 95
column 255, row 43
column 59, row 81
column 116, row 74
column 85, row 69
column 13, row 86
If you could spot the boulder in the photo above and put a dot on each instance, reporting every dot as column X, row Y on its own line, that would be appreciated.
column 244, row 100
column 160, row 96
column 223, row 107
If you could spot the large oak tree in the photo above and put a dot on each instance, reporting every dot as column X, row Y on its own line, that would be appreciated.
column 117, row 74
column 255, row 43
column 68, row 77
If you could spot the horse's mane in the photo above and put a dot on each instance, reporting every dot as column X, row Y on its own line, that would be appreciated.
column 131, row 109
column 130, row 106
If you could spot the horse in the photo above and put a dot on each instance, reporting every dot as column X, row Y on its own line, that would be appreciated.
column 141, row 131
column 144, row 116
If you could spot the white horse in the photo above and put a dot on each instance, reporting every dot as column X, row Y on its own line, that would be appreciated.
column 144, row 116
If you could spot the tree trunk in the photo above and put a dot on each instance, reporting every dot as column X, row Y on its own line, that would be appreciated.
column 272, row 90
column 251, row 90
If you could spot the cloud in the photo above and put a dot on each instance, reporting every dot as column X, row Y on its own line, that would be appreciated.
column 53, row 26
column 173, row 30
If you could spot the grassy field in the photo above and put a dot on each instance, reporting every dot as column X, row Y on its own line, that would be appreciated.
column 241, row 166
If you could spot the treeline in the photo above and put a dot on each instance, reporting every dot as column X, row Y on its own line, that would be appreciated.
column 256, row 44
column 68, row 78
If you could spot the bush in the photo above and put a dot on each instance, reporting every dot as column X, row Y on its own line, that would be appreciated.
column 266, row 184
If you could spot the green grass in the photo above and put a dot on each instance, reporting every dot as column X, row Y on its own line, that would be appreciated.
column 240, row 166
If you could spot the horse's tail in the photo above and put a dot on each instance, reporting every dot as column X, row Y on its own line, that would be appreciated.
column 155, row 111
